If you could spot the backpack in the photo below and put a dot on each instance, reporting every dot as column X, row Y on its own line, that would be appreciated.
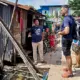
column 74, row 25
column 78, row 30
column 76, row 42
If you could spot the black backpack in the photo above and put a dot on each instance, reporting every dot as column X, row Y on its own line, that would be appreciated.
column 74, row 26
column 78, row 30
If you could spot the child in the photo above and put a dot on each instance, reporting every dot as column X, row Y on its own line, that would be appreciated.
column 52, row 41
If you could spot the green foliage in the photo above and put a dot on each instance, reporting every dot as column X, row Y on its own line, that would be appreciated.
column 75, row 5
column 47, row 15
column 51, row 16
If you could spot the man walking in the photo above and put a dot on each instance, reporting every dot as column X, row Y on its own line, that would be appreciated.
column 66, row 32
column 37, row 41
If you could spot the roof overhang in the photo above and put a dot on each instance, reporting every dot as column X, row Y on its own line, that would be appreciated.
column 24, row 7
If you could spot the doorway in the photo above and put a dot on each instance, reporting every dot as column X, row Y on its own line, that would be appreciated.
column 29, row 39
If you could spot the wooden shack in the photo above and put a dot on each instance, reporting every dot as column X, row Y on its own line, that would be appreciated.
column 22, row 22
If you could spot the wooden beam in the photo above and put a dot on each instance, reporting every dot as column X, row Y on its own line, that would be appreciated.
column 13, row 14
column 19, row 49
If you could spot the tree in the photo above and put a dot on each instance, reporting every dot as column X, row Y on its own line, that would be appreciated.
column 75, row 5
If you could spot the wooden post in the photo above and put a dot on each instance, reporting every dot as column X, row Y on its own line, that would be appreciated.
column 13, row 14
column 19, row 49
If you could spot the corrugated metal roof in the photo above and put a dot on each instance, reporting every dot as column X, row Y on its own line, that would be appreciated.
column 7, row 2
column 19, row 5
column 54, row 5
column 25, row 7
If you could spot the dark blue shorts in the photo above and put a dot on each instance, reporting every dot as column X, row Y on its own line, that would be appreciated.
column 66, row 46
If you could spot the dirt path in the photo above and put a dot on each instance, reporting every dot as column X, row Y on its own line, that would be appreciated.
column 56, row 61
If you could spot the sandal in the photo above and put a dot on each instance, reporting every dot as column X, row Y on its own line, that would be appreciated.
column 67, row 75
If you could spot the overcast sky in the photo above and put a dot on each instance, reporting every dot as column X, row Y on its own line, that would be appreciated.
column 37, row 3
